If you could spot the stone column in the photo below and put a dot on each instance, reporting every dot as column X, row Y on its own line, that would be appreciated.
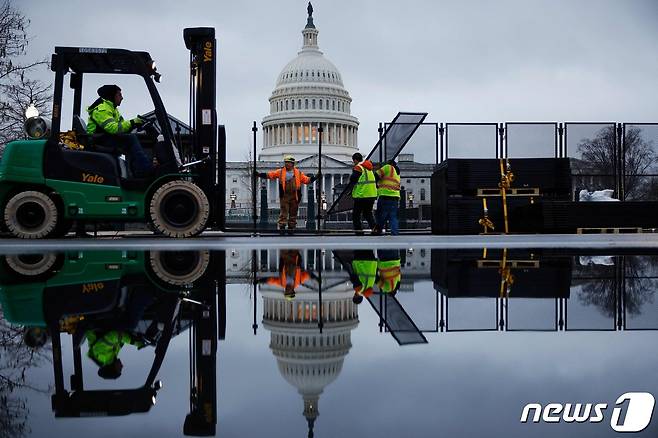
column 330, row 199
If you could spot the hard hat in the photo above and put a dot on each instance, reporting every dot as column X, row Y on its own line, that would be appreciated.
column 289, row 158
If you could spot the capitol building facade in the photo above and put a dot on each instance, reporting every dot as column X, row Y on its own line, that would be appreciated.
column 309, row 94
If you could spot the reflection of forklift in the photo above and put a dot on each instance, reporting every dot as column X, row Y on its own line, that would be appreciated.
column 76, row 292
column 45, row 184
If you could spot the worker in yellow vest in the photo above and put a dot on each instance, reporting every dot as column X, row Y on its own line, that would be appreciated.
column 388, row 197
column 363, row 274
column 389, row 271
column 364, row 193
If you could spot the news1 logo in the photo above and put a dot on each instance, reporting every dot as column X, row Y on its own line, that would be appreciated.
column 632, row 412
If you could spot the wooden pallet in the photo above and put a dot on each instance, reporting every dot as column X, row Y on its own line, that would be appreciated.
column 516, row 264
column 513, row 191
column 612, row 230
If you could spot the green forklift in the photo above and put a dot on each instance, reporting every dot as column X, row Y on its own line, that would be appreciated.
column 153, row 295
column 56, row 178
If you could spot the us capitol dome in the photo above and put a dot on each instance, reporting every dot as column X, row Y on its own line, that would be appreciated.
column 310, row 360
column 309, row 91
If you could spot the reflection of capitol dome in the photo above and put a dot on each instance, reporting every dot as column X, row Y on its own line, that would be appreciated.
column 307, row 359
column 309, row 90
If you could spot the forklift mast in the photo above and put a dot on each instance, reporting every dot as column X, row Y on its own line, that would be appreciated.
column 201, row 43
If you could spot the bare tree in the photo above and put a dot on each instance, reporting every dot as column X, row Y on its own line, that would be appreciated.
column 15, row 360
column 639, row 288
column 598, row 157
column 17, row 90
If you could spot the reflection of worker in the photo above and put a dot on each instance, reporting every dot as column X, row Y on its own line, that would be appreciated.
column 388, row 271
column 363, row 274
column 104, row 117
column 35, row 337
column 104, row 348
column 291, row 274
column 388, row 197
column 364, row 193
column 290, row 191
column 105, row 342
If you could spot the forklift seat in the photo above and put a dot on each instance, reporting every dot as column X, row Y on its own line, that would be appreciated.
column 79, row 125
column 92, row 142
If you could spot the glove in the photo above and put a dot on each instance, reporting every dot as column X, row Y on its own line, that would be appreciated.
column 137, row 121
column 261, row 174
column 314, row 177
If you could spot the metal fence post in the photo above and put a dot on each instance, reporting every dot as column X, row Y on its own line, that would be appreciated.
column 254, row 187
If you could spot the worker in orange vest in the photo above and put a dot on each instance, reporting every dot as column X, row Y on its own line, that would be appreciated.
column 291, row 274
column 290, row 191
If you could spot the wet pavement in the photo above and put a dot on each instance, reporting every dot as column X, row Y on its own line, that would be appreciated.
column 412, row 339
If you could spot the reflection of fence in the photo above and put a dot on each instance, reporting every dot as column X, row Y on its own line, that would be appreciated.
column 549, row 292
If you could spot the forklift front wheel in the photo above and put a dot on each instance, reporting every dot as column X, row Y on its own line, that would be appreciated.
column 31, row 265
column 31, row 215
column 179, row 209
column 179, row 268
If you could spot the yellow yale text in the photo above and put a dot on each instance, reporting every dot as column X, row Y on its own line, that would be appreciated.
column 207, row 51
column 92, row 287
column 86, row 177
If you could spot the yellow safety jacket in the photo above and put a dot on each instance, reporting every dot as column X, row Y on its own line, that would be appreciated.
column 389, row 182
column 366, row 270
column 366, row 187
column 389, row 275
column 105, row 117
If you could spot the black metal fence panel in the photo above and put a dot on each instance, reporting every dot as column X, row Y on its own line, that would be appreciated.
column 640, row 161
column 593, row 149
column 394, row 138
column 422, row 147
column 471, row 140
column 531, row 140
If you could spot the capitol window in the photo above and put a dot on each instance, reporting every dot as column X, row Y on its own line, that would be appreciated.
column 286, row 105
column 293, row 104
column 299, row 103
column 313, row 103
column 305, row 103
column 320, row 103
column 333, row 105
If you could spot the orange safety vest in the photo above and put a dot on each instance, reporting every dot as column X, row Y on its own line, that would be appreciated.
column 299, row 176
column 301, row 277
column 389, row 275
column 389, row 182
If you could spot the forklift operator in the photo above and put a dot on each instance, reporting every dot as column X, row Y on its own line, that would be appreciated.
column 104, row 117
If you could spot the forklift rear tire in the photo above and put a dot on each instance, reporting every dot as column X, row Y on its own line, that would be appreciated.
column 179, row 268
column 31, row 215
column 31, row 265
column 179, row 209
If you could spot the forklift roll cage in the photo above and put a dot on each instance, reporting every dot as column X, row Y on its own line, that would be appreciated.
column 201, row 43
column 83, row 60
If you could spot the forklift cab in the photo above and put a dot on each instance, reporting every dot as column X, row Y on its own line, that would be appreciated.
column 95, row 153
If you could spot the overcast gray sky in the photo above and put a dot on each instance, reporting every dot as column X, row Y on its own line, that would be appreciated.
column 461, row 61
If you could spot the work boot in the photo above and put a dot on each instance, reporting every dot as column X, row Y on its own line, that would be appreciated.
column 282, row 230
column 291, row 231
